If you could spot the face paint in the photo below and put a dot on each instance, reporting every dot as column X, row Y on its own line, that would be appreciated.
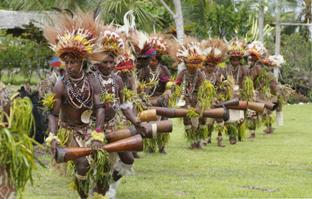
column 107, row 65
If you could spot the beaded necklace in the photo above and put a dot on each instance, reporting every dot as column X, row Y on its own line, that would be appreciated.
column 76, row 89
column 189, row 83
column 154, row 76
column 105, row 82
column 236, row 70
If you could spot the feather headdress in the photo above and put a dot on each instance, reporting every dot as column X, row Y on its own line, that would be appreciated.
column 236, row 48
column 191, row 54
column 159, row 44
column 125, row 62
column 214, row 50
column 110, row 41
column 72, row 35
column 274, row 61
column 140, row 46
column 129, row 23
column 257, row 49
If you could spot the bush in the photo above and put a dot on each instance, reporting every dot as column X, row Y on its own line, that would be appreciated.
column 297, row 70
column 297, row 98
column 23, row 54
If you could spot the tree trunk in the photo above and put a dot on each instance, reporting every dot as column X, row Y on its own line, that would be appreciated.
column 261, row 21
column 308, row 18
column 179, row 20
column 279, row 114
column 277, row 35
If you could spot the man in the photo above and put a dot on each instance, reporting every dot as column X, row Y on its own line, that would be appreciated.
column 152, row 77
column 125, row 68
column 238, row 72
column 268, row 89
column 74, row 96
column 158, row 75
column 215, row 51
column 256, row 52
column 191, row 79
column 110, row 86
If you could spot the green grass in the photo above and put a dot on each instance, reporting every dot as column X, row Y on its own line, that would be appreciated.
column 276, row 166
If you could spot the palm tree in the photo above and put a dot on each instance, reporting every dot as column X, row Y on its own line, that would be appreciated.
column 114, row 10
column 46, row 4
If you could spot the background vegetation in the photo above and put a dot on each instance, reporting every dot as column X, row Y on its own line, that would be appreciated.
column 226, row 19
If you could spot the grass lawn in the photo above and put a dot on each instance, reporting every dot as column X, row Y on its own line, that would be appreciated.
column 279, row 165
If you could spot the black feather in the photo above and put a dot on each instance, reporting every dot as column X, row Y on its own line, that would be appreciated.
column 57, row 9
column 69, row 12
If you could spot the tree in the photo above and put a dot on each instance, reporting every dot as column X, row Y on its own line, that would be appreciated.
column 177, row 16
column 147, row 13
column 261, row 20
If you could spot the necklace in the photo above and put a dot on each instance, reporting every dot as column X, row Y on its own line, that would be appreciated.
column 105, row 82
column 212, row 77
column 237, row 71
column 189, row 83
column 154, row 77
column 79, row 93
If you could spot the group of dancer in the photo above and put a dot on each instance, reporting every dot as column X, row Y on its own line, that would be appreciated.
column 117, row 77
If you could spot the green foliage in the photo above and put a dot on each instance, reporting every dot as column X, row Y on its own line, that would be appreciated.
column 267, row 120
column 31, row 5
column 242, row 132
column 131, row 96
column 149, row 145
column 206, row 94
column 248, row 89
column 16, row 147
column 48, row 101
column 203, row 132
column 23, row 55
column 167, row 61
column 297, row 70
column 33, row 33
column 219, row 19
column 63, row 135
column 231, row 130
column 163, row 139
column 107, row 97
column 263, row 83
column 175, row 95
column 192, row 113
column 147, row 13
column 225, row 91
column 100, row 169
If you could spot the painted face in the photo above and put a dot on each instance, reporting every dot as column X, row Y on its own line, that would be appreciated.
column 154, row 61
column 106, row 66
column 235, row 61
column 191, row 69
column 210, row 67
column 143, row 62
column 73, row 66
column 252, row 59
